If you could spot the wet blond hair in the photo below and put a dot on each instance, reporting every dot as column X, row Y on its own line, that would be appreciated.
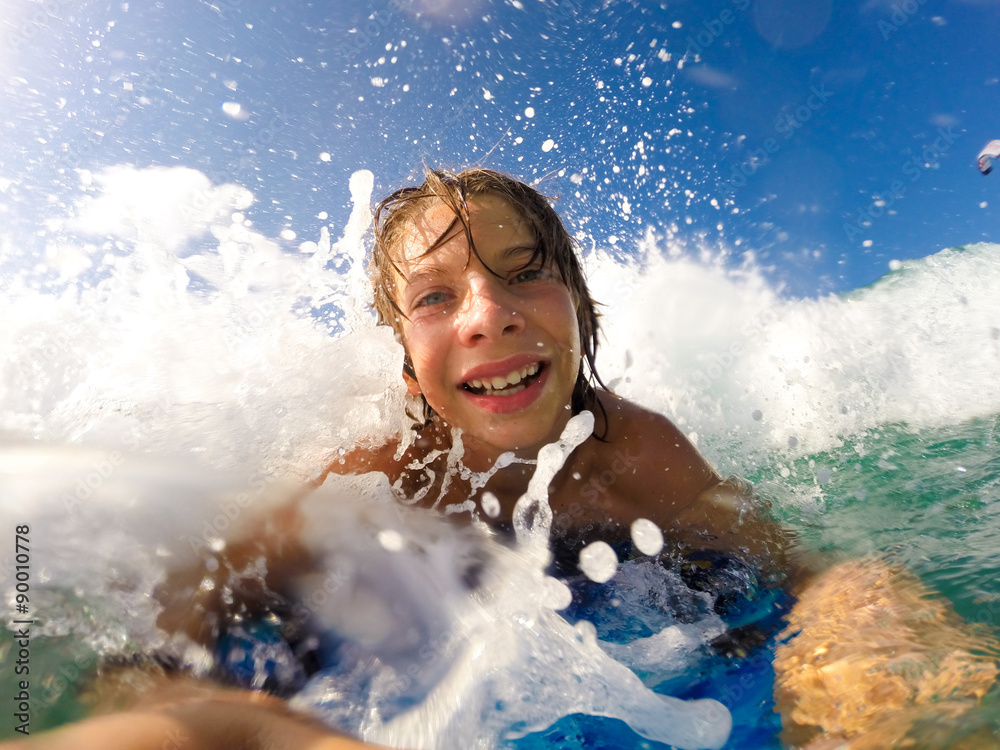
column 554, row 247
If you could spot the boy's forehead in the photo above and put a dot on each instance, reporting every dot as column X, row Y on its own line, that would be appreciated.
column 425, row 228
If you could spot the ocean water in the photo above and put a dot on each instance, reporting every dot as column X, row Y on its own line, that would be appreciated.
column 171, row 371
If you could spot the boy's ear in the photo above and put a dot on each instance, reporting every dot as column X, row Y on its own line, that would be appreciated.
column 409, row 374
column 412, row 386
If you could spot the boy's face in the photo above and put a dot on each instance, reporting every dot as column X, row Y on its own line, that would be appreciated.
column 496, row 356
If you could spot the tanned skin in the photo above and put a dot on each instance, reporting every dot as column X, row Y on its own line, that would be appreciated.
column 643, row 467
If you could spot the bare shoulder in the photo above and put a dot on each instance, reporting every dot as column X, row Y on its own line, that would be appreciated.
column 412, row 468
column 363, row 459
column 674, row 486
column 663, row 467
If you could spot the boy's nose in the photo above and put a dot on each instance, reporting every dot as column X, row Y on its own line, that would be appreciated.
column 489, row 312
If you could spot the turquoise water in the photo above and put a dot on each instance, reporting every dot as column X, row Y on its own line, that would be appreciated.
column 928, row 499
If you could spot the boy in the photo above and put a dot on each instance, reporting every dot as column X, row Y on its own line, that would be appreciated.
column 478, row 277
column 480, row 281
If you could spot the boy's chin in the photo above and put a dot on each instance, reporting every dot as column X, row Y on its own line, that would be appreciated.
column 523, row 442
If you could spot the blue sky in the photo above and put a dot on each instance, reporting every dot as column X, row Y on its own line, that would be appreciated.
column 824, row 141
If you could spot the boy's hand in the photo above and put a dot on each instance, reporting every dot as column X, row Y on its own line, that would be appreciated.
column 872, row 658
column 726, row 516
column 185, row 714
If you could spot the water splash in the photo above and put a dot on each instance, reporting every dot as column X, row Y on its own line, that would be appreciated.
column 162, row 321
column 748, row 373
column 169, row 326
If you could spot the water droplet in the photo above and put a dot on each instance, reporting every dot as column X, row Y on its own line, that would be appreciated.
column 556, row 594
column 235, row 110
column 391, row 540
column 647, row 536
column 491, row 505
column 598, row 562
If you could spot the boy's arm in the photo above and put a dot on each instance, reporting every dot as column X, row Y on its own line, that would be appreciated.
column 187, row 714
column 200, row 589
column 727, row 516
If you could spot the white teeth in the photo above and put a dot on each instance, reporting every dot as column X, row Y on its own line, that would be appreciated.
column 506, row 386
column 511, row 391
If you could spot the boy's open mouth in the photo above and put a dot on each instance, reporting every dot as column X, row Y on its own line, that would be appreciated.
column 514, row 382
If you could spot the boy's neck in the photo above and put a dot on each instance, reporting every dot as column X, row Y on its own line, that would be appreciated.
column 509, row 484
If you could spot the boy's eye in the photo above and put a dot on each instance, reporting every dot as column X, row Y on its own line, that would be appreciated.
column 434, row 298
column 529, row 274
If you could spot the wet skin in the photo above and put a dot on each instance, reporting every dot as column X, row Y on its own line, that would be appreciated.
column 472, row 319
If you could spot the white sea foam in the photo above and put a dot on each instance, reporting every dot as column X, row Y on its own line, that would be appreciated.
column 183, row 332
column 748, row 372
